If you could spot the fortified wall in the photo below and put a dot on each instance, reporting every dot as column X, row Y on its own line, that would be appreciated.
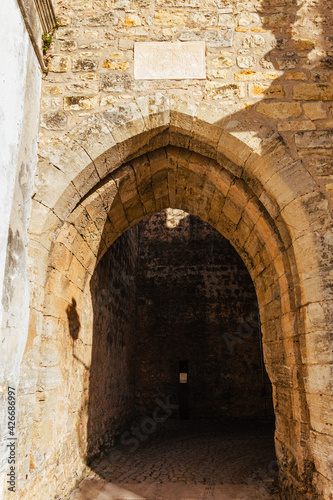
column 234, row 127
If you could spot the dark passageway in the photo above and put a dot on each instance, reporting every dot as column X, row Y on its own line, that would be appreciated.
column 172, row 289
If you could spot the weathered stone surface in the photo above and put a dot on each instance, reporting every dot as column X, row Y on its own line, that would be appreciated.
column 215, row 90
column 115, row 82
column 54, row 121
column 166, row 60
column 320, row 139
column 84, row 64
column 221, row 38
column 246, row 61
column 314, row 110
column 80, row 102
column 59, row 64
column 245, row 76
column 221, row 62
column 280, row 109
column 313, row 92
column 266, row 91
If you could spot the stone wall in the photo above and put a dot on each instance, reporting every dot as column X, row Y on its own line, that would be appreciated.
column 271, row 60
column 111, row 405
column 248, row 149
column 196, row 302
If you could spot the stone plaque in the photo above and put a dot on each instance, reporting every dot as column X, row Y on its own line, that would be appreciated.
column 169, row 60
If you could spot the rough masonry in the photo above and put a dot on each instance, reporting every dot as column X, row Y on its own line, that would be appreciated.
column 248, row 150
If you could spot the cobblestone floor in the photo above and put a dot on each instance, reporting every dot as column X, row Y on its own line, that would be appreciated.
column 188, row 460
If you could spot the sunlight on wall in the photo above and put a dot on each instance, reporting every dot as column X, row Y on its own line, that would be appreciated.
column 174, row 216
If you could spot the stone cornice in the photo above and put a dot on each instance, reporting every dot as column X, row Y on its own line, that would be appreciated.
column 39, row 17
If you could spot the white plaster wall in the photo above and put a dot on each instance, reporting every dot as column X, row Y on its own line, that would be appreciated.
column 20, row 84
column 14, row 45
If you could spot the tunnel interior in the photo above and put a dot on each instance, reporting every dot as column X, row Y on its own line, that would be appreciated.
column 170, row 296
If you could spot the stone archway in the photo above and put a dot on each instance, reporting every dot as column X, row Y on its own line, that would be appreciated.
column 133, row 161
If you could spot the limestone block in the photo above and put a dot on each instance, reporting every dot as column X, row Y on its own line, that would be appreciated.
column 271, row 156
column 132, row 20
column 296, row 125
column 313, row 91
column 49, row 194
column 52, row 89
column 217, row 73
column 110, row 18
column 84, row 64
column 95, row 137
column 246, row 61
column 217, row 90
column 247, row 18
column 63, row 20
column 54, row 121
column 59, row 64
column 71, row 158
column 158, row 161
column 304, row 43
column 313, row 315
column 255, row 76
column 279, row 109
column 295, row 76
column 205, row 125
column 275, row 20
column 114, row 82
column 289, row 183
column 251, row 41
column 96, row 209
column 233, row 148
column 125, row 121
column 116, row 65
column 61, row 258
column 77, row 274
column 232, row 211
column 43, row 223
column 314, row 140
column 76, row 103
column 227, row 20
column 68, row 45
column 92, row 235
column 65, row 33
column 221, row 38
column 221, row 62
column 270, row 204
column 155, row 110
column 287, row 62
column 182, row 111
column 117, row 216
column 170, row 18
column 266, row 91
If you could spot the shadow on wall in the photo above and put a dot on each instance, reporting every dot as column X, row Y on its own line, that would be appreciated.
column 74, row 324
column 296, row 60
